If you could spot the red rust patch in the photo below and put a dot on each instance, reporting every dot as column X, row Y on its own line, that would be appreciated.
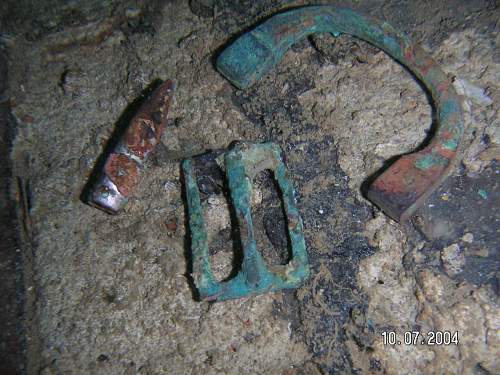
column 408, row 53
column 445, row 152
column 171, row 225
column 443, row 86
column 147, row 126
column 141, row 137
column 404, row 178
column 427, row 65
column 284, row 30
column 124, row 172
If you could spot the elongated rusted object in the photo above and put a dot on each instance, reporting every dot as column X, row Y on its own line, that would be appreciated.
column 407, row 183
column 119, row 177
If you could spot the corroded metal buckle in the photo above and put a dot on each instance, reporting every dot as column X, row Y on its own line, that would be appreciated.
column 242, row 163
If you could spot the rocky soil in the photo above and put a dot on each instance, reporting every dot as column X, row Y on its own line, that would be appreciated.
column 109, row 295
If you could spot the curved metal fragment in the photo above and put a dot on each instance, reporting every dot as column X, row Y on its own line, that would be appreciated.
column 405, row 185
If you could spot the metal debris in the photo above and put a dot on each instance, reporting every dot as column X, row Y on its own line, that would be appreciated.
column 483, row 193
column 406, row 184
column 242, row 163
column 120, row 175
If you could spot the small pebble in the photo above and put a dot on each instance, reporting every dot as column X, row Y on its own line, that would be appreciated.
column 169, row 185
column 214, row 201
column 171, row 225
column 453, row 259
column 468, row 237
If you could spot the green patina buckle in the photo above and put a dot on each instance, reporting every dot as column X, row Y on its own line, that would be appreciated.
column 242, row 163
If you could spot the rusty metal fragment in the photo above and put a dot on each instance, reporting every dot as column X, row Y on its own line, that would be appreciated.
column 119, row 177
column 242, row 163
column 405, row 185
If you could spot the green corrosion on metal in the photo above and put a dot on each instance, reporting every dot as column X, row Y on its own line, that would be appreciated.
column 242, row 163
column 450, row 144
column 259, row 50
column 403, row 187
column 430, row 160
column 483, row 193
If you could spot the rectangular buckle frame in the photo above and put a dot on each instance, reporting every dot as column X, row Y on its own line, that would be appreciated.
column 242, row 163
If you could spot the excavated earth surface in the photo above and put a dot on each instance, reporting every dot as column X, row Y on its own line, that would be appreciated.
column 101, row 294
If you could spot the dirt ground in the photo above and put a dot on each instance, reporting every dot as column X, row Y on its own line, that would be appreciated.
column 91, row 293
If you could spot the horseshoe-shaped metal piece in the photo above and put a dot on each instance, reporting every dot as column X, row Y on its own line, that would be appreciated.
column 407, row 183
